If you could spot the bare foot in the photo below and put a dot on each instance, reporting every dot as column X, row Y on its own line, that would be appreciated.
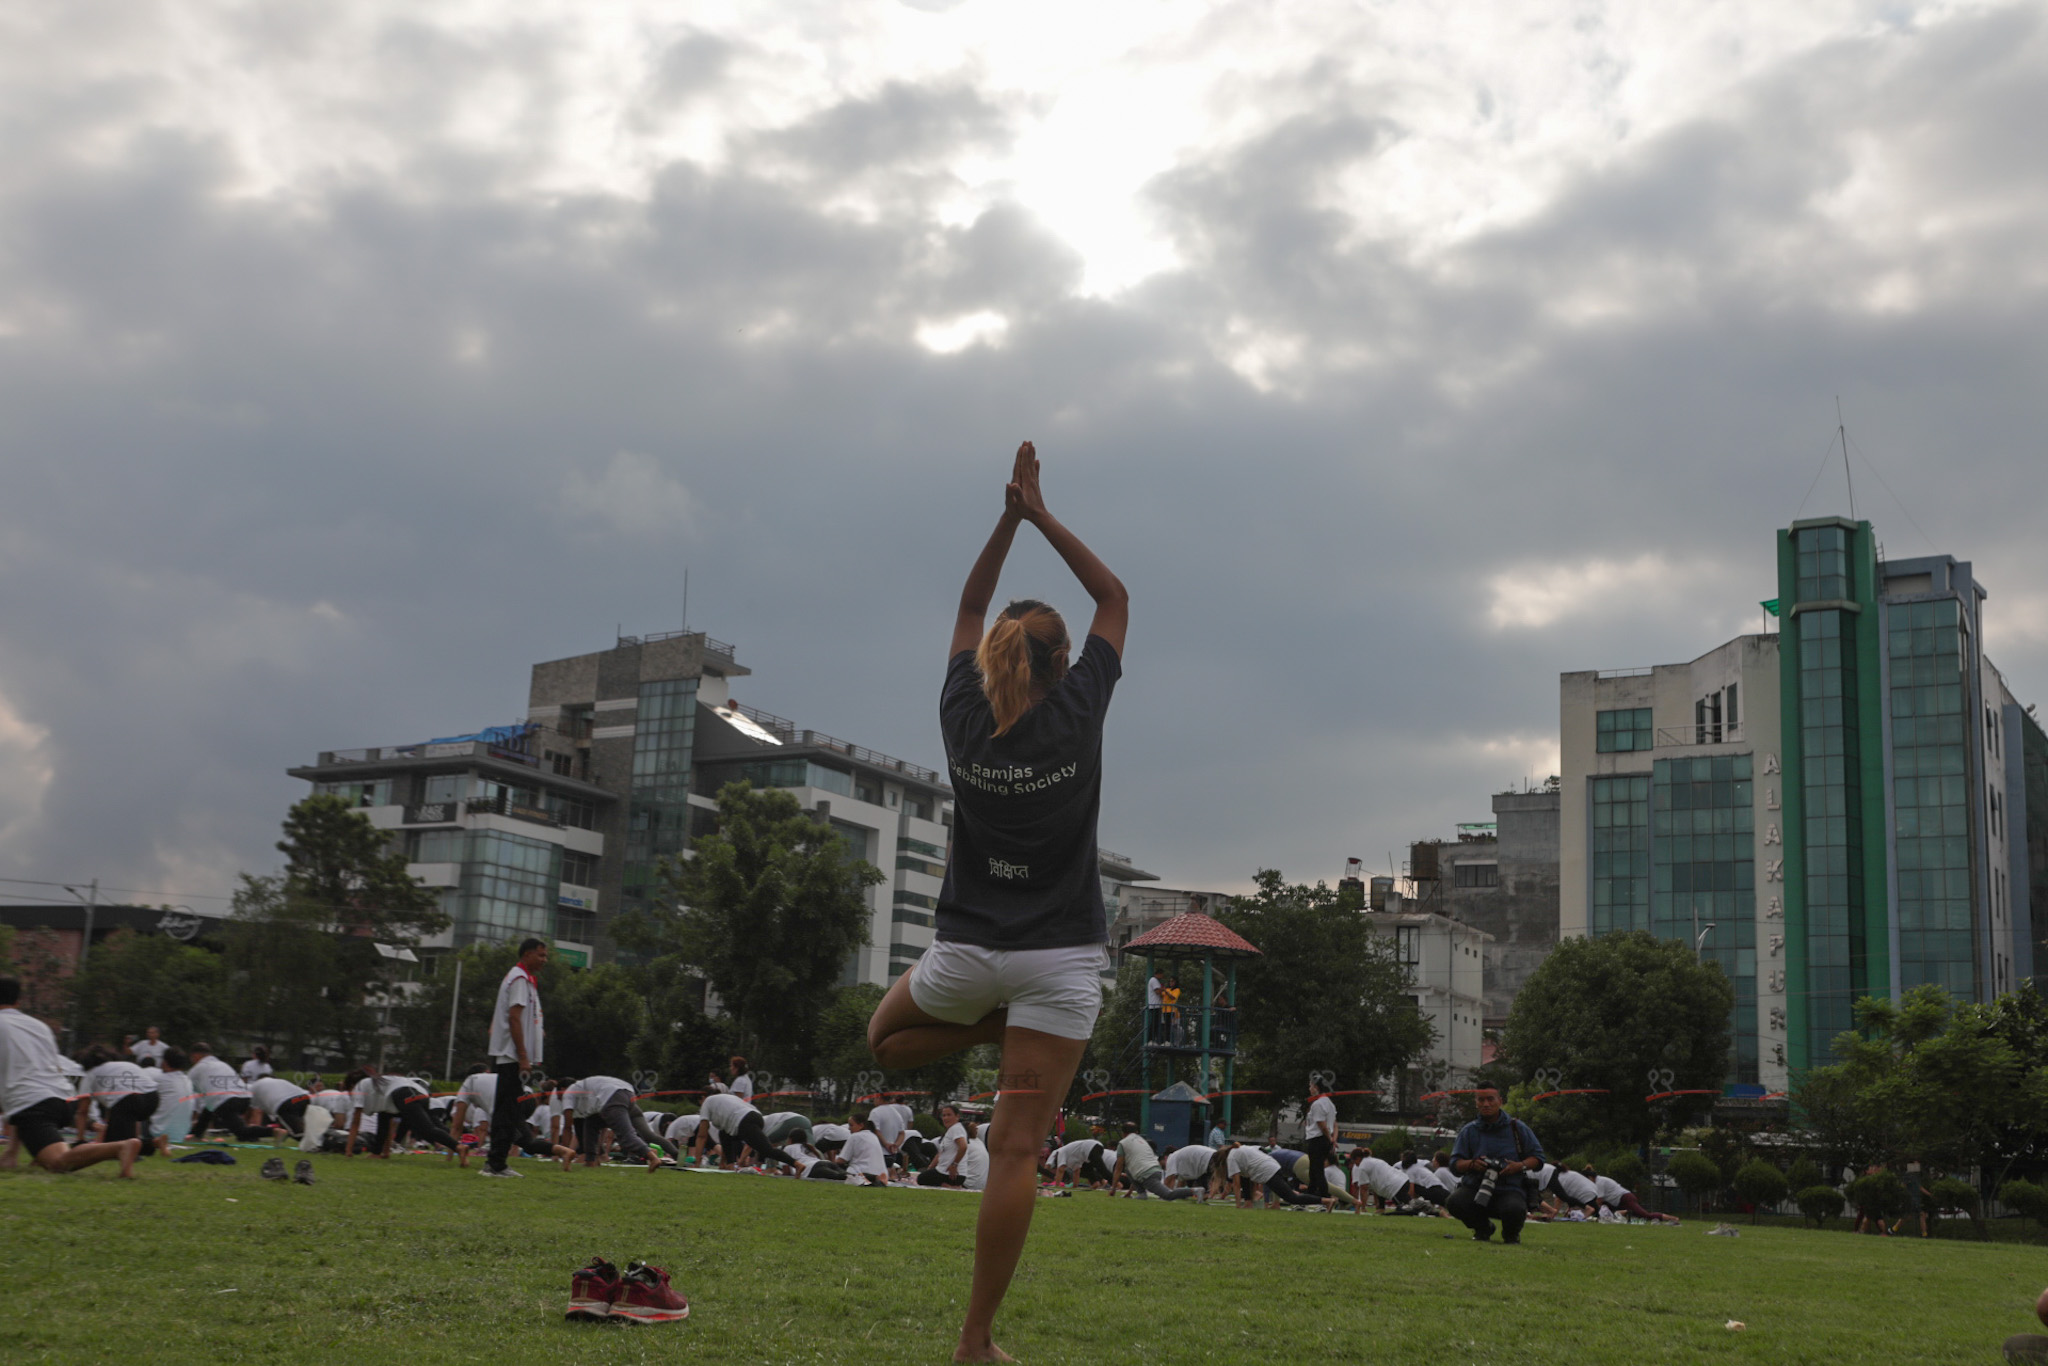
column 653, row 1161
column 988, row 1351
column 131, row 1148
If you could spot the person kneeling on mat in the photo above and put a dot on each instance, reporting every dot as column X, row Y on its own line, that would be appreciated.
column 600, row 1102
column 126, row 1094
column 1136, row 1160
column 36, row 1096
column 396, row 1103
column 1491, row 1157
column 739, row 1126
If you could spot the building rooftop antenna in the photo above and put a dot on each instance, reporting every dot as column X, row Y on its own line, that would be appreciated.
column 1842, row 428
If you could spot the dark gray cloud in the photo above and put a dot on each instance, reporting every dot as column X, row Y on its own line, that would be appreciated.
column 333, row 466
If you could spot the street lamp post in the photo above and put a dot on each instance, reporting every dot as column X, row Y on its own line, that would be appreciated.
column 91, row 898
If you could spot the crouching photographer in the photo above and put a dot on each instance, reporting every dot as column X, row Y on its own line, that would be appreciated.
column 1491, row 1158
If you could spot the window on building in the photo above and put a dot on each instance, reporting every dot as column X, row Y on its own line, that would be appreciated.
column 1624, row 731
column 1823, row 553
column 444, row 787
column 1408, row 943
column 1703, row 872
column 1931, row 805
column 1476, row 875
column 1734, row 712
column 919, row 865
column 1620, row 848
column 437, row 846
column 920, row 807
column 1706, row 720
column 580, row 869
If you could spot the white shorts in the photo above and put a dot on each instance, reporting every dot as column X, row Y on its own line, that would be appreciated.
column 1055, row 991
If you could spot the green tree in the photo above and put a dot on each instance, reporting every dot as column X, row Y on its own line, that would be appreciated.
column 423, row 1021
column 1761, row 1185
column 1696, row 1175
column 845, row 1065
column 593, row 1017
column 768, row 911
column 1609, row 1013
column 135, row 980
column 679, row 1041
column 302, row 946
column 1820, row 1204
column 1326, row 993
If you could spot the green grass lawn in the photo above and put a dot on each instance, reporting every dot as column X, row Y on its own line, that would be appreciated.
column 410, row 1260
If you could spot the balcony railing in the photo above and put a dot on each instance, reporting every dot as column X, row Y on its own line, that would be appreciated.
column 1709, row 733
column 711, row 647
column 788, row 733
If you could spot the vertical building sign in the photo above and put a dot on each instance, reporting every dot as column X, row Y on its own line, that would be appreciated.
column 1771, row 933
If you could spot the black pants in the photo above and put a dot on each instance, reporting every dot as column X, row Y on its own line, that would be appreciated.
column 504, row 1115
column 826, row 1171
column 292, row 1114
column 932, row 1176
column 1094, row 1168
column 753, row 1134
column 1287, row 1191
column 1510, row 1206
column 231, row 1114
column 628, row 1126
column 130, row 1118
column 415, row 1117
column 1318, row 1149
column 919, row 1152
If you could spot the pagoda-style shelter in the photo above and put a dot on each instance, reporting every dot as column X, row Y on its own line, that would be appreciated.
column 1204, row 1025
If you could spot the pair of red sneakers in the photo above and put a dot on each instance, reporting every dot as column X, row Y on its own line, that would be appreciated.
column 600, row 1292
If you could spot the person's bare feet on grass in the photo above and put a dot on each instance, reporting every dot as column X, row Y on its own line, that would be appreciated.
column 653, row 1161
column 131, row 1148
column 987, row 1351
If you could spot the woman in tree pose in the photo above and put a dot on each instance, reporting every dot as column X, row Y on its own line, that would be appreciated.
column 1020, row 919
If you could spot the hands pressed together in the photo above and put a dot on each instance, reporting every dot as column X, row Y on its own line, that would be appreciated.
column 1022, row 497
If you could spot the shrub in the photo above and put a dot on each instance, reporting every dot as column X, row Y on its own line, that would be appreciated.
column 1880, row 1195
column 2027, row 1198
column 1626, row 1168
column 1388, row 1146
column 1803, row 1174
column 1949, row 1193
column 1726, row 1149
column 1761, row 1184
column 1820, row 1204
column 1696, row 1175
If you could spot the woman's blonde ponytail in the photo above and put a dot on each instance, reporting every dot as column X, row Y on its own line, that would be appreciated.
column 1020, row 650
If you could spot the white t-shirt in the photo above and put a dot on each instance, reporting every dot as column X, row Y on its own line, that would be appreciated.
column 479, row 1092
column 890, row 1122
column 683, row 1128
column 1322, row 1110
column 214, row 1082
column 1074, row 1154
column 1251, row 1163
column 254, row 1068
column 113, row 1082
column 373, row 1094
column 974, row 1166
column 726, row 1111
column 1190, row 1164
column 1577, row 1188
column 830, row 1133
column 1384, row 1179
column 1446, row 1179
column 588, row 1096
column 518, row 989
column 1421, row 1173
column 336, row 1103
column 154, row 1052
column 1152, row 997
column 950, row 1147
column 271, row 1092
column 1609, row 1189
column 1137, row 1156
column 171, row 1087
column 863, row 1154
column 741, row 1086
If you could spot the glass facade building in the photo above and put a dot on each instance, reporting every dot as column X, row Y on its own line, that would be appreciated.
column 658, row 811
column 1703, row 877
column 1929, row 716
column 1620, row 853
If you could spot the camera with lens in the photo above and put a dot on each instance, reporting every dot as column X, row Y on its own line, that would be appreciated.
column 1483, row 1196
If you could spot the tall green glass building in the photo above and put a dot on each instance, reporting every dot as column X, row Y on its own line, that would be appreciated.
column 1851, row 805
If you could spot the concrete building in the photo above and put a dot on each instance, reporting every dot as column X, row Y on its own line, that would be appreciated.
column 1836, row 811
column 1446, row 960
column 1500, row 877
column 551, row 827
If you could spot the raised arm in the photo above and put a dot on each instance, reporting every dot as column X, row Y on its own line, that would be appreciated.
column 972, row 617
column 1112, row 601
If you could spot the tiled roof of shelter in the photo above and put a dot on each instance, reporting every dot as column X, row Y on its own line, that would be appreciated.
column 1193, row 930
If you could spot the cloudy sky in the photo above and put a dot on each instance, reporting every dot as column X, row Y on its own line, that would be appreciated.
column 1397, row 355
